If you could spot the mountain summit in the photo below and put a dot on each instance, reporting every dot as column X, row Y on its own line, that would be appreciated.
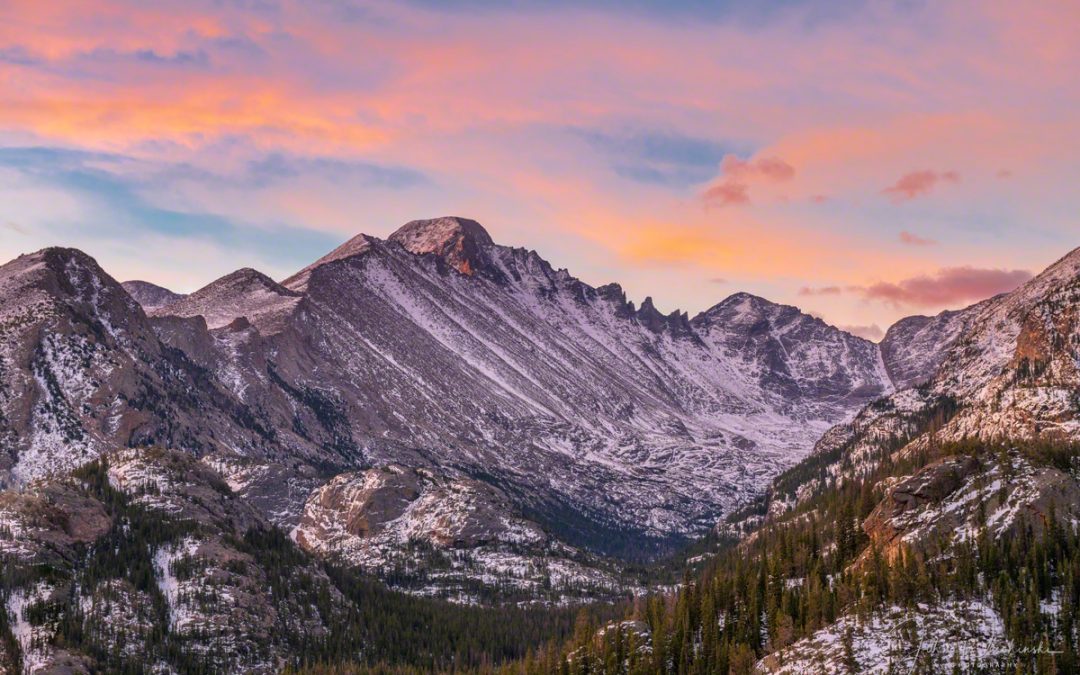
column 460, row 242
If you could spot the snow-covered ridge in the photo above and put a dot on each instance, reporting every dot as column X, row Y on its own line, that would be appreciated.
column 623, row 426
column 246, row 293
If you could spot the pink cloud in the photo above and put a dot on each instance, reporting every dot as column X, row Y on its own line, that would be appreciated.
column 729, row 192
column 738, row 173
column 770, row 168
column 915, row 240
column 823, row 290
column 947, row 286
column 919, row 183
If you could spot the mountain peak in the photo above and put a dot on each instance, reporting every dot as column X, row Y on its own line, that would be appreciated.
column 738, row 307
column 433, row 235
column 1068, row 266
column 460, row 242
column 150, row 295
column 246, row 292
column 358, row 245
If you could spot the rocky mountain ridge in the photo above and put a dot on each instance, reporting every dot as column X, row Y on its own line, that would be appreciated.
column 439, row 347
column 610, row 427
column 984, row 454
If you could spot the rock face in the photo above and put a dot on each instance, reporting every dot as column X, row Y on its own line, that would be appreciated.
column 82, row 370
column 913, row 348
column 393, row 504
column 951, row 500
column 1008, row 369
column 460, row 243
column 907, row 503
column 393, row 520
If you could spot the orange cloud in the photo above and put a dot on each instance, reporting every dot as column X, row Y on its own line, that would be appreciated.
column 669, row 244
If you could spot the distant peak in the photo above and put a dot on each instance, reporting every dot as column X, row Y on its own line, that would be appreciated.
column 246, row 275
column 460, row 242
column 743, row 296
column 244, row 293
column 149, row 295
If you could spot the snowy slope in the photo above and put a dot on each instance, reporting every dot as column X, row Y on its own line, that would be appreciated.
column 486, row 359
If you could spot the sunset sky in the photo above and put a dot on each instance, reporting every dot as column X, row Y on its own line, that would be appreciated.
column 862, row 160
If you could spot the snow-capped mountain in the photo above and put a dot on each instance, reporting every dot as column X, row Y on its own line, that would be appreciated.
column 439, row 348
column 613, row 427
column 465, row 419
column 1008, row 368
column 82, row 372
column 981, row 455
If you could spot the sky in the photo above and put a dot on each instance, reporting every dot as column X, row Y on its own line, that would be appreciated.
column 864, row 161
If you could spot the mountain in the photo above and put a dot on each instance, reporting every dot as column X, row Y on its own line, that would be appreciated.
column 611, row 424
column 914, row 347
column 203, row 481
column 82, row 372
column 617, row 428
column 613, row 428
column 1008, row 369
column 935, row 532
column 150, row 295
column 975, row 470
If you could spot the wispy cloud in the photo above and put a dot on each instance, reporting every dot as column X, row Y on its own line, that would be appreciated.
column 912, row 239
column 658, row 157
column 872, row 332
column 810, row 291
column 919, row 183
